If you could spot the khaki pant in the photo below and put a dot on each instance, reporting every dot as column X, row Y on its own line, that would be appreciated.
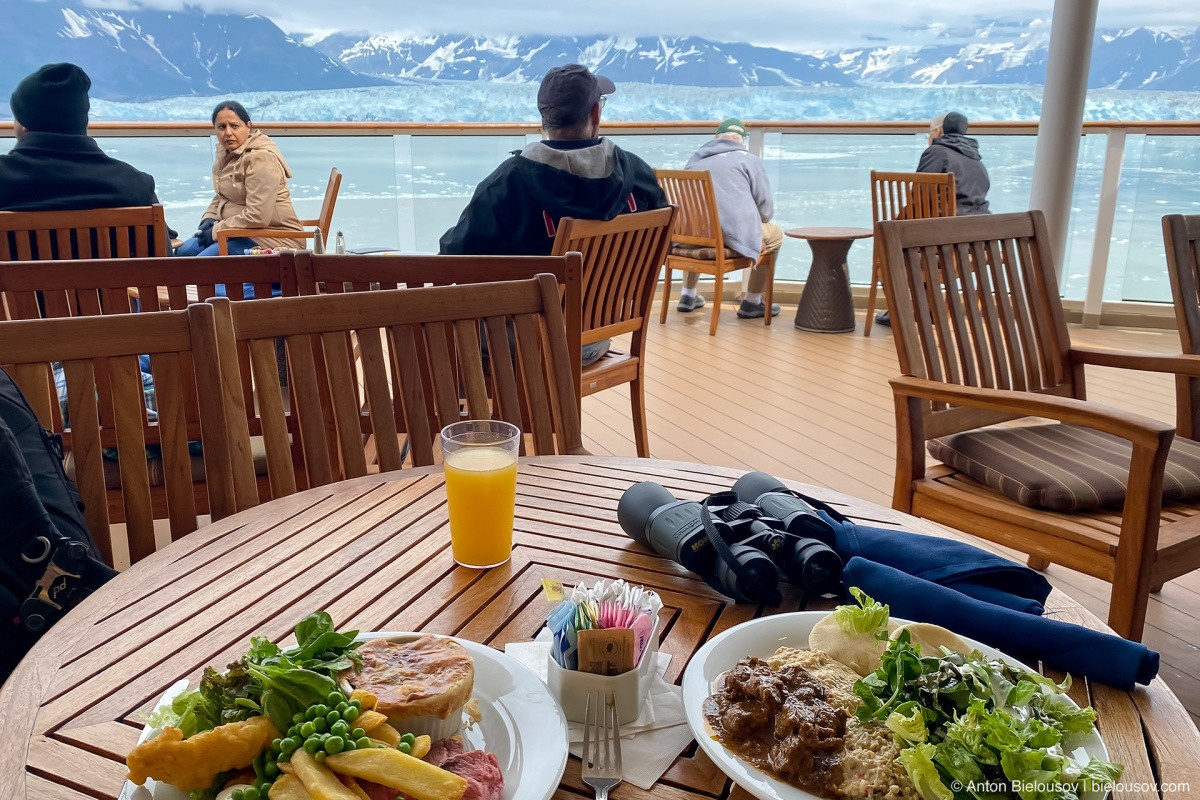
column 772, row 239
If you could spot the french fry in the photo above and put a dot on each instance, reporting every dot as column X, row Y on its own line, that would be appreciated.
column 385, row 733
column 400, row 771
column 367, row 699
column 351, row 784
column 318, row 780
column 370, row 720
column 421, row 746
column 288, row 787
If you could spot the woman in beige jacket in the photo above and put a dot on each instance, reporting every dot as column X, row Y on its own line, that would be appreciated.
column 250, row 180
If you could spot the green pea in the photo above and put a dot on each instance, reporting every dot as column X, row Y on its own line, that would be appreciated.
column 250, row 793
column 276, row 746
column 310, row 713
column 350, row 745
column 288, row 746
column 308, row 729
column 319, row 756
column 334, row 744
column 320, row 725
column 298, row 717
column 321, row 710
column 237, row 794
column 339, row 728
column 358, row 733
column 341, row 707
column 311, row 746
column 356, row 703
column 350, row 714
column 294, row 731
column 271, row 770
column 363, row 743
column 408, row 737
column 335, row 697
column 332, row 717
column 404, row 747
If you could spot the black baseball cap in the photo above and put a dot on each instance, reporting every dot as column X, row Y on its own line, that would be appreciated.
column 570, row 91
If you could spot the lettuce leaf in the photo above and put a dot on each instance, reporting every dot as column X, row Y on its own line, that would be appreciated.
column 867, row 617
column 918, row 763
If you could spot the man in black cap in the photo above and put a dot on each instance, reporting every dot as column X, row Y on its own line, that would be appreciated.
column 54, row 163
column 572, row 172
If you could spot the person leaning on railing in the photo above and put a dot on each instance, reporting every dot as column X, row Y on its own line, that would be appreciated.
column 250, row 179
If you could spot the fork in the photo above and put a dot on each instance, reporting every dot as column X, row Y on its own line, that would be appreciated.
column 601, row 744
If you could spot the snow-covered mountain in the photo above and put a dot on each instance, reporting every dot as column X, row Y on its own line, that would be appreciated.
column 145, row 54
column 139, row 53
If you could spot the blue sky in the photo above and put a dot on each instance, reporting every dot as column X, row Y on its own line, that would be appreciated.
column 787, row 23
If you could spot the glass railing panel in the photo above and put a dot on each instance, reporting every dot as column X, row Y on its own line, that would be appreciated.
column 444, row 172
column 1158, row 176
column 1085, row 206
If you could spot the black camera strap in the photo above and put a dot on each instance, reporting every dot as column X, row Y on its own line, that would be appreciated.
column 721, row 547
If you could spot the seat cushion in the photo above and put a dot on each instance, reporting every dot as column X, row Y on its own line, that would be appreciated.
column 700, row 253
column 1061, row 467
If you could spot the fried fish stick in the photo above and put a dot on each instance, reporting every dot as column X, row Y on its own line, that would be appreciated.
column 194, row 763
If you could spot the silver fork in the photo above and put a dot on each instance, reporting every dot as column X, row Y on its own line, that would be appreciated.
column 601, row 744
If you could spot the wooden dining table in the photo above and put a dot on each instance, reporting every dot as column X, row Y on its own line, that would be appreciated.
column 374, row 552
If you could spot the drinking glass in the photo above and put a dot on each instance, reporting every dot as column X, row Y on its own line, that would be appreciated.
column 480, row 462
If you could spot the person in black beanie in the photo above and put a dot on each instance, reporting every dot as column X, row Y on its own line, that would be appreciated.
column 55, row 165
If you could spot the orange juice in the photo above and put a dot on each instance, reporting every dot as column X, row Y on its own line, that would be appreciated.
column 481, row 486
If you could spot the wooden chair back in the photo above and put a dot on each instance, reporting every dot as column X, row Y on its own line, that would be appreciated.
column 322, row 222
column 106, row 409
column 697, row 224
column 905, row 195
column 422, row 367
column 1181, row 235
column 127, row 232
column 621, row 261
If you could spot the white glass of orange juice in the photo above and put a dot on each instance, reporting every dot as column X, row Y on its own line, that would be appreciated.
column 480, row 461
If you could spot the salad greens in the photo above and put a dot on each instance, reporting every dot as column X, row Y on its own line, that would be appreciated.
column 267, row 680
column 978, row 729
column 869, row 616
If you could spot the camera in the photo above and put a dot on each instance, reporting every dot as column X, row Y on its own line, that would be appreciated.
column 743, row 542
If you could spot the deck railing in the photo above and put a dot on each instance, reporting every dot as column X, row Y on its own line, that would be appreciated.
column 406, row 183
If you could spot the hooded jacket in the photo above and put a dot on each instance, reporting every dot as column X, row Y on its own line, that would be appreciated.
column 743, row 194
column 959, row 154
column 65, row 171
column 252, row 191
column 516, row 209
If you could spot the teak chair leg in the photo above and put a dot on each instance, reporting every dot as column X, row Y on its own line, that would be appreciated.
column 718, row 295
column 1038, row 563
column 666, row 301
column 875, row 280
column 637, row 398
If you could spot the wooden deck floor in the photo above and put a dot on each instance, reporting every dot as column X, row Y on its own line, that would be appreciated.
column 817, row 408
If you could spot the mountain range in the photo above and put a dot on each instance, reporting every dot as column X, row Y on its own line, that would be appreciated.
column 145, row 54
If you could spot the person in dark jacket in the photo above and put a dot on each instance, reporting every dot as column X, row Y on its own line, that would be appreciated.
column 54, row 164
column 951, row 150
column 572, row 172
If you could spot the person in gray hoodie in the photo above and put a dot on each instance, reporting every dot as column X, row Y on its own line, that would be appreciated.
column 951, row 150
column 745, row 206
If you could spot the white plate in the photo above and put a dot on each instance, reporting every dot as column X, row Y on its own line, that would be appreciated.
column 521, row 724
column 762, row 637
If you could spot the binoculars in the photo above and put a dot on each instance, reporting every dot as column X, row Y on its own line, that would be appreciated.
column 744, row 542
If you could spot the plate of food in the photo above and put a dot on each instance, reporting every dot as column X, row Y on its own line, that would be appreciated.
column 433, row 717
column 922, row 715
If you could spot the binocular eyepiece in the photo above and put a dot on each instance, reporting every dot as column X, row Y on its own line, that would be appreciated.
column 743, row 542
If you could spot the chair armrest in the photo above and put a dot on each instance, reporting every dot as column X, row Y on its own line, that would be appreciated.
column 267, row 233
column 1178, row 364
column 1140, row 430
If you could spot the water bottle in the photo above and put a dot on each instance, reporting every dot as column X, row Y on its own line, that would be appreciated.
column 318, row 241
column 339, row 244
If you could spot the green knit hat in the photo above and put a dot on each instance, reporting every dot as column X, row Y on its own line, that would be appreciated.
column 732, row 125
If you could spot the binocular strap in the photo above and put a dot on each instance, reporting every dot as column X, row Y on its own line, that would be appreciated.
column 736, row 567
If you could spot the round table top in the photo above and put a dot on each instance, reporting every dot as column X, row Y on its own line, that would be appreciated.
column 831, row 233
column 374, row 552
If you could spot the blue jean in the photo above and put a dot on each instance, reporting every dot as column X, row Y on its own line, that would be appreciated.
column 238, row 246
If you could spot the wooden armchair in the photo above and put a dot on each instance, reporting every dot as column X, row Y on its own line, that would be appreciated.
column 982, row 340
column 904, row 195
column 106, row 408
column 697, row 244
column 127, row 232
column 621, row 260
column 1181, row 235
column 322, row 222
column 429, row 338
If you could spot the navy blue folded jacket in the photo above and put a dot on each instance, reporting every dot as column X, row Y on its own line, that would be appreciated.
column 961, row 566
column 1073, row 648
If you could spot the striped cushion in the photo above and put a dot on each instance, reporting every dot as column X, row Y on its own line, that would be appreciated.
column 700, row 253
column 1061, row 467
